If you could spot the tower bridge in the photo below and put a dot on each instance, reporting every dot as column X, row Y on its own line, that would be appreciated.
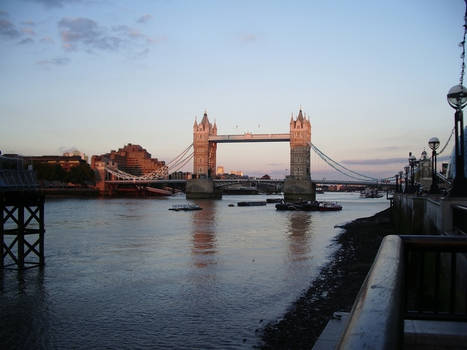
column 297, row 186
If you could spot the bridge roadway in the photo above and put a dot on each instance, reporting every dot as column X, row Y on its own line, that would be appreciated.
column 248, row 137
column 234, row 181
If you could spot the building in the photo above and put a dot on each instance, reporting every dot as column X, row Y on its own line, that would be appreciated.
column 300, row 137
column 132, row 159
column 204, row 158
column 65, row 162
column 75, row 153
column 220, row 170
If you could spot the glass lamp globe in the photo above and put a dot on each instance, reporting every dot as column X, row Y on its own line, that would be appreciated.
column 412, row 159
column 433, row 143
column 457, row 97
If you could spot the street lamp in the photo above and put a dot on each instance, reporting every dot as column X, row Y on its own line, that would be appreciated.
column 412, row 161
column 406, row 189
column 400, row 181
column 434, row 144
column 457, row 99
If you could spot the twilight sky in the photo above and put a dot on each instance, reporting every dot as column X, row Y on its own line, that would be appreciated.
column 97, row 74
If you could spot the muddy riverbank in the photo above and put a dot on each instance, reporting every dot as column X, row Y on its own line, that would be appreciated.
column 335, row 288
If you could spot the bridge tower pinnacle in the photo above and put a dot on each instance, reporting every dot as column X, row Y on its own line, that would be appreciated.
column 300, row 140
column 204, row 157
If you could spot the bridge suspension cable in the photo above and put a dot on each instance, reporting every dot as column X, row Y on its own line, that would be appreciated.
column 177, row 158
column 340, row 168
column 447, row 142
column 182, row 163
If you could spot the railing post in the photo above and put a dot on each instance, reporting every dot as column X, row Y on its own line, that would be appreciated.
column 375, row 320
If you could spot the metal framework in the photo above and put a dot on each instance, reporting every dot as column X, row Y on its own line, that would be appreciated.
column 22, row 229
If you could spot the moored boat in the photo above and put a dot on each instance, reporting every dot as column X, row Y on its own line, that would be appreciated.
column 309, row 206
column 185, row 207
column 274, row 200
column 251, row 204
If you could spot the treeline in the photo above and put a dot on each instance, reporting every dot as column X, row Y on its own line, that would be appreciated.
column 81, row 174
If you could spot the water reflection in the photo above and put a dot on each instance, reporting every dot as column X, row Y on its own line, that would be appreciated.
column 204, row 239
column 24, row 309
column 298, row 235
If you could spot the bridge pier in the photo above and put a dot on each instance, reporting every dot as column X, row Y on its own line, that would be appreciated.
column 202, row 189
column 21, row 229
column 299, row 189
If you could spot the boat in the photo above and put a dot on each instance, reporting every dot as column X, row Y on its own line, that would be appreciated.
column 309, row 206
column 329, row 206
column 274, row 200
column 370, row 193
column 251, row 204
column 185, row 207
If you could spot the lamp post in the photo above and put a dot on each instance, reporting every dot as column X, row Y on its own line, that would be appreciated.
column 434, row 144
column 412, row 161
column 457, row 99
column 406, row 189
column 400, row 181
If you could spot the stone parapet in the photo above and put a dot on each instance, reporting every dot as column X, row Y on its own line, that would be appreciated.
column 202, row 189
column 297, row 190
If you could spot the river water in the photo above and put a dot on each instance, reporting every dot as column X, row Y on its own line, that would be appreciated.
column 130, row 274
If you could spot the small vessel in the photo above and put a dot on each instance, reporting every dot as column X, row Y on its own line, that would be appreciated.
column 274, row 200
column 251, row 204
column 329, row 206
column 185, row 207
column 231, row 205
column 309, row 206
column 370, row 193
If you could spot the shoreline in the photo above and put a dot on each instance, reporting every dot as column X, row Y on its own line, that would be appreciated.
column 334, row 289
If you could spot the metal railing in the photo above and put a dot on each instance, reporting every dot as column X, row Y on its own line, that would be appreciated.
column 459, row 219
column 412, row 277
column 434, row 288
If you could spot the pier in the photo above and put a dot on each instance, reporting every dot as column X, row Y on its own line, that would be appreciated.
column 22, row 225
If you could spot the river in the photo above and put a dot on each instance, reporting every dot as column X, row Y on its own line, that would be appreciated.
column 130, row 274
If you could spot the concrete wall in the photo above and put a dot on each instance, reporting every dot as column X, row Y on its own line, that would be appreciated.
column 424, row 215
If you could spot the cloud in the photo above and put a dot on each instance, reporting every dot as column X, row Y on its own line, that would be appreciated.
column 8, row 29
column 86, row 34
column 76, row 32
column 47, row 40
column 145, row 18
column 3, row 13
column 29, row 23
column 59, row 61
column 377, row 161
column 54, row 3
column 28, row 31
column 128, row 32
column 248, row 38
column 26, row 41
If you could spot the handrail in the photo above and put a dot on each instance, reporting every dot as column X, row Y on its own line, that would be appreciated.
column 375, row 320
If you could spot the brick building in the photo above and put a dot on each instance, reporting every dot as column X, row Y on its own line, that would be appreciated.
column 132, row 159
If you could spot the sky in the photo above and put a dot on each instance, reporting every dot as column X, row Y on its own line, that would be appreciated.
column 94, row 75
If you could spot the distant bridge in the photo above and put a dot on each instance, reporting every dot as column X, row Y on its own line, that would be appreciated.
column 239, row 181
column 248, row 137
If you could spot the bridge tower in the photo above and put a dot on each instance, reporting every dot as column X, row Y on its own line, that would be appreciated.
column 204, row 157
column 300, row 139
column 298, row 185
column 204, row 161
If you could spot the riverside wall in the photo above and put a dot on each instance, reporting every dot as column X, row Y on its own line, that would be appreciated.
column 425, row 214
